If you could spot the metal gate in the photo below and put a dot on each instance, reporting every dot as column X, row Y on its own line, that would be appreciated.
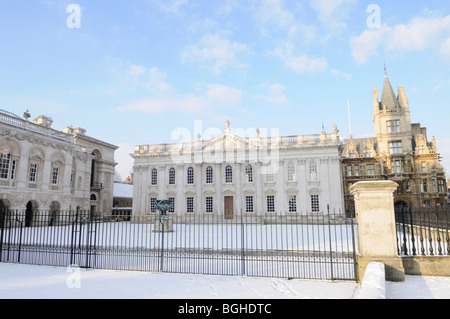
column 83, row 241
column 287, row 246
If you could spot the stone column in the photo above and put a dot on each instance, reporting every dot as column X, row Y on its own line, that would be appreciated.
column 377, row 238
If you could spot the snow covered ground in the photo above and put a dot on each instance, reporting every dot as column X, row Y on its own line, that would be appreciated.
column 37, row 282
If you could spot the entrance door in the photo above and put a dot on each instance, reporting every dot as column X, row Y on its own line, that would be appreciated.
column 29, row 214
column 229, row 213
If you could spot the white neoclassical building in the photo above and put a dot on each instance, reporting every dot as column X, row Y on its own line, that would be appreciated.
column 50, row 170
column 229, row 175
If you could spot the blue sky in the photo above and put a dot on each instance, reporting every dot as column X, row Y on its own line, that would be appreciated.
column 134, row 71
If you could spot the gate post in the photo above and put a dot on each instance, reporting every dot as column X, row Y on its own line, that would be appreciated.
column 377, row 235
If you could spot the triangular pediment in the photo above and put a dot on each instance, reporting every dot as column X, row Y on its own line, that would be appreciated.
column 226, row 141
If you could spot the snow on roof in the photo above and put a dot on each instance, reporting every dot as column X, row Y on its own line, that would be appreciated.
column 123, row 190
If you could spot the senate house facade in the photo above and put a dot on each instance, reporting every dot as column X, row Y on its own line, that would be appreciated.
column 230, row 176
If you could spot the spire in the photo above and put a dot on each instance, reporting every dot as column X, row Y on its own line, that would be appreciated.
column 388, row 100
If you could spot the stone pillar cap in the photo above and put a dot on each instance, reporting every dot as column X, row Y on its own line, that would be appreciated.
column 373, row 186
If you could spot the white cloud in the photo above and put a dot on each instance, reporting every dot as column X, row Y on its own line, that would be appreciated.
column 333, row 13
column 223, row 94
column 217, row 52
column 215, row 96
column 272, row 16
column 300, row 63
column 152, row 79
column 190, row 104
column 421, row 33
column 274, row 94
column 276, row 88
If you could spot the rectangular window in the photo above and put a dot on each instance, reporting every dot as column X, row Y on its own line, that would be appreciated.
column 315, row 206
column 269, row 176
column 4, row 165
column 152, row 205
column 13, row 170
column 249, row 174
column 397, row 167
column 441, row 185
column 395, row 147
column 190, row 205
column 370, row 169
column 33, row 172
column 424, row 167
column 154, row 177
column 209, row 205
column 425, row 187
column 349, row 170
column 393, row 126
column 293, row 204
column 356, row 169
column 55, row 174
column 172, row 209
column 271, row 204
column 249, row 204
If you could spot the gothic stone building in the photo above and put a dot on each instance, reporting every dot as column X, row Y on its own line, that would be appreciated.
column 400, row 151
column 49, row 170
column 229, row 176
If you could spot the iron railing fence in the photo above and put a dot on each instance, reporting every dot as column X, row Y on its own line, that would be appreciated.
column 289, row 246
column 423, row 231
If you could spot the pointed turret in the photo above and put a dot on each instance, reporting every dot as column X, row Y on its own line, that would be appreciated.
column 389, row 100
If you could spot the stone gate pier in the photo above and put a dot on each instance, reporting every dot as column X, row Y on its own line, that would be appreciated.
column 377, row 238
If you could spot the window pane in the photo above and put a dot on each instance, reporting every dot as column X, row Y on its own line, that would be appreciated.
column 172, row 176
column 249, row 174
column 55, row 175
column 5, row 158
column 315, row 207
column 33, row 172
column 249, row 204
column 154, row 177
column 190, row 204
column 292, row 204
column 271, row 204
column 229, row 174
column 291, row 173
column 209, row 204
column 209, row 175
column 190, row 176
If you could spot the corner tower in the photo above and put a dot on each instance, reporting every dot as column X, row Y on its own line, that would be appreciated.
column 392, row 121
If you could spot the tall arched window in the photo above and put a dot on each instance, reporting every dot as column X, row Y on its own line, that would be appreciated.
column 291, row 172
column 209, row 175
column 172, row 176
column 228, row 174
column 313, row 172
column 154, row 177
column 249, row 174
column 190, row 176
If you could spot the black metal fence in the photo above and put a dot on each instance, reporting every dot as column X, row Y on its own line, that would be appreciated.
column 423, row 231
column 289, row 246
